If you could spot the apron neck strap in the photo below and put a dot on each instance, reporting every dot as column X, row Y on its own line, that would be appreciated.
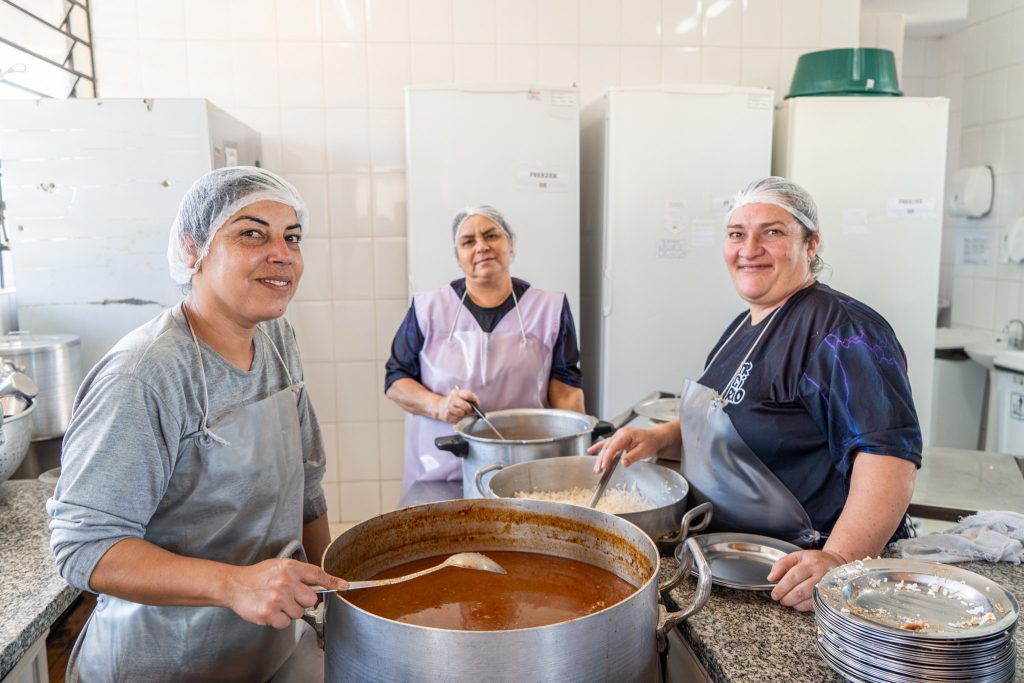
column 203, row 428
column 522, row 327
column 750, row 351
column 455, row 320
column 462, row 302
column 277, row 352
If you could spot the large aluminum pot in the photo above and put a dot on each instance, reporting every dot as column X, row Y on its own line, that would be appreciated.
column 54, row 361
column 530, row 434
column 15, row 437
column 664, row 487
column 620, row 643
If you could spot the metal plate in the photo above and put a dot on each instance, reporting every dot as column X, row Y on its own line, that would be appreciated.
column 742, row 561
column 659, row 409
column 915, row 599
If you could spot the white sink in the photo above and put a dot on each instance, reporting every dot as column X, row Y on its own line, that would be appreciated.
column 984, row 352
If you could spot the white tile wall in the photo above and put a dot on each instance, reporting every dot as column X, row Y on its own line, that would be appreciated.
column 322, row 81
column 992, row 133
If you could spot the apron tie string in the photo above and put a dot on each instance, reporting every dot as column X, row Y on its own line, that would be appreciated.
column 203, row 428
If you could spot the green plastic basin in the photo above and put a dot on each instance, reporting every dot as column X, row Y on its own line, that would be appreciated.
column 847, row 71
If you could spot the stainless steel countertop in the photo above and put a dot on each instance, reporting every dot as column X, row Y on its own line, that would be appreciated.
column 954, row 482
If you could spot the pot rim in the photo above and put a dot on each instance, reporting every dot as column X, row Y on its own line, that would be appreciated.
column 645, row 539
column 462, row 425
column 679, row 480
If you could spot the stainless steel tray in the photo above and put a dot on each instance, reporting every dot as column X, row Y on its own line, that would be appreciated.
column 659, row 409
column 742, row 561
column 918, row 600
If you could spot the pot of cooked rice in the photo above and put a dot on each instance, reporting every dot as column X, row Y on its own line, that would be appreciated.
column 650, row 496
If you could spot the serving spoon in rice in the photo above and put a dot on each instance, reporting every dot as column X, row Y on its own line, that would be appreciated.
column 605, row 478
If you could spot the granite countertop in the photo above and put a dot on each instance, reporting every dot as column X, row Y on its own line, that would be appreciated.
column 32, row 594
column 744, row 636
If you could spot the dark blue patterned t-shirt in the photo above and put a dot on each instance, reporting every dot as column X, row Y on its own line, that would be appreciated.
column 828, row 380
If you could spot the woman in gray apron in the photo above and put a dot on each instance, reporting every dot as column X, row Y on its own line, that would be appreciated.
column 190, row 494
column 802, row 425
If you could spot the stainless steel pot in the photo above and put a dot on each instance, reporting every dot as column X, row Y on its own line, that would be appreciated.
column 54, row 362
column 619, row 643
column 15, row 437
column 664, row 487
column 545, row 433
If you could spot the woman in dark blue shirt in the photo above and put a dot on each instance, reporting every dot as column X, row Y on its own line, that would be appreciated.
column 802, row 426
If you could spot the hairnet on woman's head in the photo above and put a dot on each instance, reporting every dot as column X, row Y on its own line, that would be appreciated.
column 213, row 199
column 782, row 193
column 482, row 210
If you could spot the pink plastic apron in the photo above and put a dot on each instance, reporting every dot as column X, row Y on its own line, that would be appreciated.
column 507, row 368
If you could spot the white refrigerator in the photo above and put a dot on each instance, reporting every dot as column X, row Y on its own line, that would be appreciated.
column 516, row 149
column 876, row 169
column 91, row 187
column 659, row 168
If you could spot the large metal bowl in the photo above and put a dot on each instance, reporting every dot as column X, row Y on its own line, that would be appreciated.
column 530, row 434
column 15, row 437
column 666, row 488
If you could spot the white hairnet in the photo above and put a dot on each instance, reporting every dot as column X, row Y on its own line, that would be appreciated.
column 782, row 193
column 213, row 199
column 482, row 210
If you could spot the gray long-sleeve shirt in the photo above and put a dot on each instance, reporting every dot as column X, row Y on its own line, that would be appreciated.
column 132, row 412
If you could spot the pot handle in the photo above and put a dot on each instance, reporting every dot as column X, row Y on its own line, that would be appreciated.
column 669, row 620
column 602, row 428
column 687, row 526
column 480, row 478
column 454, row 444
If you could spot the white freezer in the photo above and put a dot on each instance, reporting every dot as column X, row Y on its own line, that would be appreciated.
column 92, row 187
column 659, row 167
column 516, row 149
column 876, row 168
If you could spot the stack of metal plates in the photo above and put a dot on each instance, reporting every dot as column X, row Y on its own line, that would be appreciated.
column 909, row 621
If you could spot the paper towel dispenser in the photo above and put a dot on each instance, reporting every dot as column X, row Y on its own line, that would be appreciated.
column 970, row 192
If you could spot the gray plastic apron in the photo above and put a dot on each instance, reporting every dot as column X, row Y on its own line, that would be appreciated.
column 722, row 469
column 234, row 497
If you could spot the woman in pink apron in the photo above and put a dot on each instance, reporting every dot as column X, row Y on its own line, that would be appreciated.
column 191, row 468
column 802, row 425
column 488, row 339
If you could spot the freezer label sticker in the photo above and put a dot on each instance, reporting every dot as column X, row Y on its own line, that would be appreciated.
column 561, row 98
column 721, row 203
column 900, row 208
column 543, row 180
column 759, row 100
column 1017, row 406
column 672, row 249
column 675, row 220
column 702, row 234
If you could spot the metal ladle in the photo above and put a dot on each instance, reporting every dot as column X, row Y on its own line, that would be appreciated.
column 480, row 414
column 605, row 478
column 461, row 560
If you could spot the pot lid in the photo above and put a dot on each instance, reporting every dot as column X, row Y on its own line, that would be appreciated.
column 31, row 341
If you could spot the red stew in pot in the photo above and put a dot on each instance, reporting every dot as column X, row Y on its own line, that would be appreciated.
column 538, row 590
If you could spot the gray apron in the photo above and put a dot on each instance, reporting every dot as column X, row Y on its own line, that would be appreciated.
column 721, row 468
column 235, row 496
